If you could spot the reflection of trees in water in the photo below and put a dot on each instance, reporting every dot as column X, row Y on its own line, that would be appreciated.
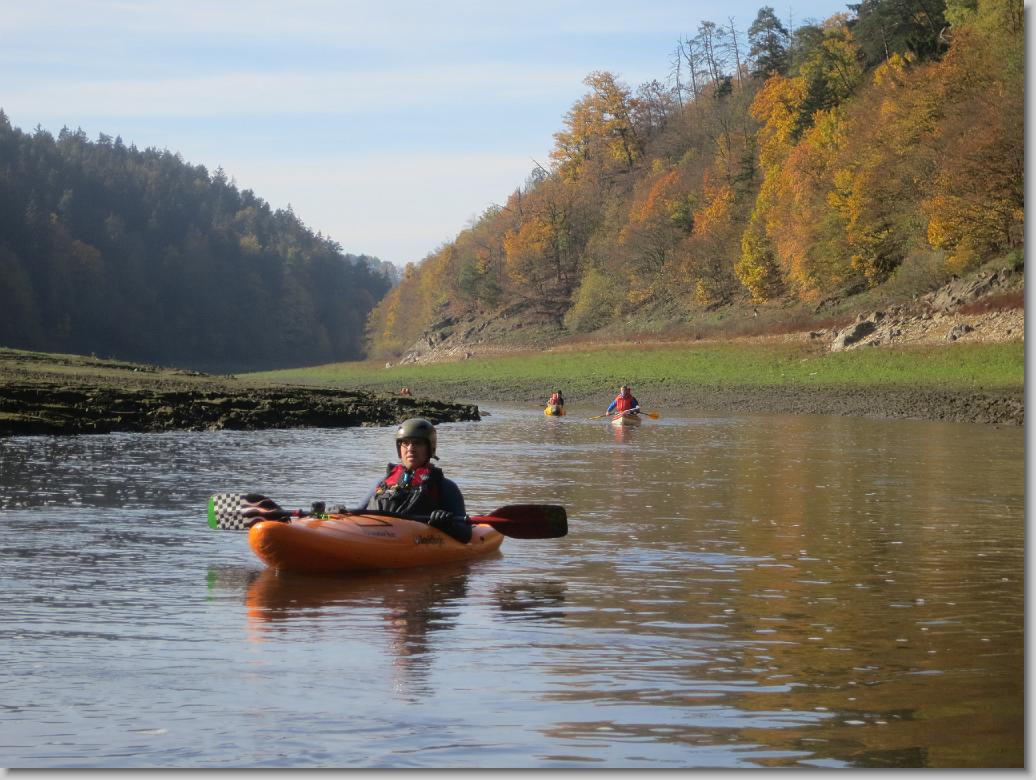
column 229, row 579
column 892, row 759
column 531, row 600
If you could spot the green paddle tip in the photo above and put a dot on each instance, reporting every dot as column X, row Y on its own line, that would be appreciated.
column 212, row 512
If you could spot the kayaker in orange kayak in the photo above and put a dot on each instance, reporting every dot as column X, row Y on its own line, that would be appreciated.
column 625, row 401
column 416, row 488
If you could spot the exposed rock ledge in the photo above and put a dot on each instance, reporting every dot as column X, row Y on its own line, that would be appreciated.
column 60, row 394
column 937, row 317
column 929, row 319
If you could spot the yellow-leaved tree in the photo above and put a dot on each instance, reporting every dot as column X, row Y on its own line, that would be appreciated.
column 779, row 107
column 707, row 251
column 801, row 131
column 600, row 129
column 976, row 205
column 880, row 170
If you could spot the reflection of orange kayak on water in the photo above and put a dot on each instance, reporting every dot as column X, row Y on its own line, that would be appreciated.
column 412, row 604
column 344, row 543
column 626, row 419
column 275, row 595
column 553, row 410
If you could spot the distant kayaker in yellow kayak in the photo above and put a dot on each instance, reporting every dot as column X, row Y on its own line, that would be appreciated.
column 417, row 488
column 625, row 401
column 557, row 400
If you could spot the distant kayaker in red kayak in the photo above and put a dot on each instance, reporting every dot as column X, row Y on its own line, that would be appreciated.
column 624, row 402
column 417, row 488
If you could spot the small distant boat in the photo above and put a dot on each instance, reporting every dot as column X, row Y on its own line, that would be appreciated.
column 554, row 410
column 626, row 419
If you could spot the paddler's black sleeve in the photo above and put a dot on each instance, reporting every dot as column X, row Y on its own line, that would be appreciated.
column 367, row 503
column 452, row 499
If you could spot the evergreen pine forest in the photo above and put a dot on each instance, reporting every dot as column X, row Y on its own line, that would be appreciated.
column 109, row 250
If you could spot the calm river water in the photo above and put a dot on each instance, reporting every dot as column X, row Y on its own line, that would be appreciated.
column 734, row 593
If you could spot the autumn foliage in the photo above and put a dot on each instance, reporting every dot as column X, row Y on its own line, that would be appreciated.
column 799, row 164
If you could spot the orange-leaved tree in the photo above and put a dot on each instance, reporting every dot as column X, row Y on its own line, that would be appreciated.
column 542, row 252
column 657, row 222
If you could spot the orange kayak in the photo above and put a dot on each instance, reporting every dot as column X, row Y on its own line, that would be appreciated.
column 344, row 543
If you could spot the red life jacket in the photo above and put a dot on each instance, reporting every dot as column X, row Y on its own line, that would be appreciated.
column 623, row 402
column 405, row 492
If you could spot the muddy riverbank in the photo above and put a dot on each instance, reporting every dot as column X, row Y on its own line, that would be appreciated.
column 68, row 394
column 985, row 406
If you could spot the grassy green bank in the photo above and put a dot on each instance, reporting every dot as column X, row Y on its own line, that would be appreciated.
column 981, row 383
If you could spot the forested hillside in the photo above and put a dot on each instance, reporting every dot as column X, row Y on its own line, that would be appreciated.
column 881, row 147
column 138, row 255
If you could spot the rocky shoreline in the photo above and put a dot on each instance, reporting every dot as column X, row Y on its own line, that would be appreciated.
column 973, row 309
column 64, row 394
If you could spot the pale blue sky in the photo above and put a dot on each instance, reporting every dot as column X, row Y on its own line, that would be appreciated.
column 387, row 126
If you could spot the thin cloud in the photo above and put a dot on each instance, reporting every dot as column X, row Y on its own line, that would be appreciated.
column 288, row 93
column 273, row 91
column 387, row 25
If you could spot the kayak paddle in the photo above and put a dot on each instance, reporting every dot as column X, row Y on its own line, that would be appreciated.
column 518, row 521
column 526, row 521
column 652, row 415
column 238, row 512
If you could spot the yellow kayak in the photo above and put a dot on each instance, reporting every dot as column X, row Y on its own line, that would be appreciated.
column 626, row 419
column 553, row 410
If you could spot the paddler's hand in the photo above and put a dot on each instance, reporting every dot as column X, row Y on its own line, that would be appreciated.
column 440, row 519
column 457, row 527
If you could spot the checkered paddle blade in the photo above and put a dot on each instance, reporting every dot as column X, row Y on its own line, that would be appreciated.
column 239, row 512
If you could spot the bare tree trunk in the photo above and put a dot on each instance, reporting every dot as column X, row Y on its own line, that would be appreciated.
column 737, row 53
column 675, row 72
column 692, row 67
column 707, row 34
